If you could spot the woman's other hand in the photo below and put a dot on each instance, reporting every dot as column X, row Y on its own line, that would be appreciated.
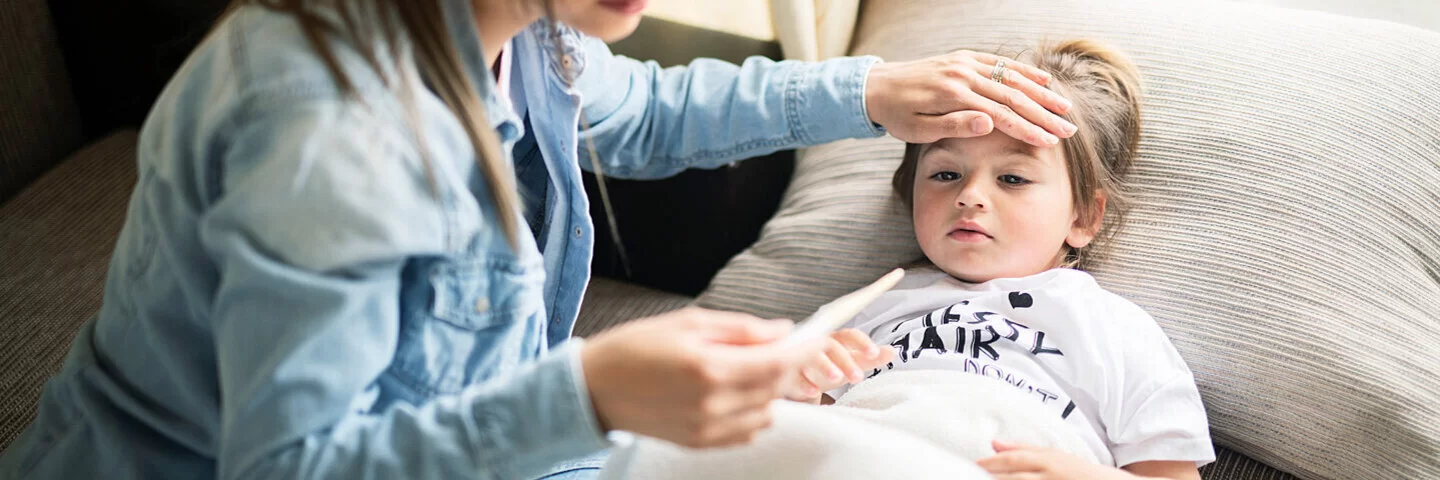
column 848, row 354
column 694, row 377
column 953, row 95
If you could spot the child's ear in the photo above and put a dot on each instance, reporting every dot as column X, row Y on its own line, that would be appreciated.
column 1083, row 231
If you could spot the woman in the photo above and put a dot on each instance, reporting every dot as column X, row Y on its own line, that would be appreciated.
column 353, row 253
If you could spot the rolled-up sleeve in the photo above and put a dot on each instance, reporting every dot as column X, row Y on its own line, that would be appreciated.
column 1167, row 424
column 322, row 206
column 652, row 122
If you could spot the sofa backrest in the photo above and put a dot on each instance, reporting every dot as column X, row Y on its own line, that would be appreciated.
column 39, row 123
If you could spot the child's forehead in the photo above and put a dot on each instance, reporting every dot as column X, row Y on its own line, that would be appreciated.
column 995, row 146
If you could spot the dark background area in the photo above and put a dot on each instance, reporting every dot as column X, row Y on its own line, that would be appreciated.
column 121, row 53
column 678, row 231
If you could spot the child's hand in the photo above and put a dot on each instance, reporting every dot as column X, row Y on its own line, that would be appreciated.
column 846, row 358
column 1015, row 461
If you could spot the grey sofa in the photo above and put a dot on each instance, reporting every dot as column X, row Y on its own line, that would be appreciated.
column 65, row 181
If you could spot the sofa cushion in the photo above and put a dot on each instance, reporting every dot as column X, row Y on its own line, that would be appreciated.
column 38, row 121
column 1286, row 233
column 55, row 242
column 610, row 302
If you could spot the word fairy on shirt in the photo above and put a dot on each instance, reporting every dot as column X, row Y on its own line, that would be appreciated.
column 1096, row 360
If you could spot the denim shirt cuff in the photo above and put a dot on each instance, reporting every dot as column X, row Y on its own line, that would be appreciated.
column 829, row 100
column 556, row 419
column 591, row 423
column 875, row 129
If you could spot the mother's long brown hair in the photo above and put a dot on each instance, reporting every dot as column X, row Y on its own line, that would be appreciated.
column 421, row 23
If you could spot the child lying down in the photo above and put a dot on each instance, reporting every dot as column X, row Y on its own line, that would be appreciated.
column 1001, row 356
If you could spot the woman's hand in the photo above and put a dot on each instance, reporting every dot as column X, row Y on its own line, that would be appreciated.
column 695, row 377
column 1015, row 462
column 845, row 358
column 953, row 95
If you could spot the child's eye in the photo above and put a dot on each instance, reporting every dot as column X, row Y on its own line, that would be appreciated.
column 1013, row 180
column 945, row 176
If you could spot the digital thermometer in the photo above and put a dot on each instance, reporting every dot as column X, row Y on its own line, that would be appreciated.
column 833, row 315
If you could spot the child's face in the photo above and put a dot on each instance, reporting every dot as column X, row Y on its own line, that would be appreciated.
column 994, row 207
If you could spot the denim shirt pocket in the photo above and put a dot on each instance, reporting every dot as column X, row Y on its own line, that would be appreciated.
column 469, row 319
column 477, row 294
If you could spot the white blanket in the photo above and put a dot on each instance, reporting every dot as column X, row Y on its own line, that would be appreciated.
column 902, row 424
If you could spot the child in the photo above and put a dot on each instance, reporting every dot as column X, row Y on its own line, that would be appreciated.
column 1007, row 230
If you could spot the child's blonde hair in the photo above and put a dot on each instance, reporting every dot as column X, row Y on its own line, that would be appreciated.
column 1104, row 87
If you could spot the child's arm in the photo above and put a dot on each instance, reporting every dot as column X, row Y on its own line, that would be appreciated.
column 1164, row 469
column 1031, row 462
column 845, row 360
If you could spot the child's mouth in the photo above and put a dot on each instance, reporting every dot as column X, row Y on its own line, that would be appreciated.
column 968, row 236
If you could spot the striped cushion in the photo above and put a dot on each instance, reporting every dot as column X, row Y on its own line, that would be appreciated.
column 1287, row 228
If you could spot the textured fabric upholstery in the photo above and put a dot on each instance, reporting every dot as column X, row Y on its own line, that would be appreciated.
column 1232, row 465
column 55, row 242
column 1287, row 229
column 38, row 121
column 610, row 302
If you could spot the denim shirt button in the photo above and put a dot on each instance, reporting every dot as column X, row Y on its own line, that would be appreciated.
column 578, row 232
column 567, row 61
column 482, row 305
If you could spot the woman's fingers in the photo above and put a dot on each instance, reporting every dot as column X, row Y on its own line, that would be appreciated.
column 734, row 415
column 745, row 398
column 735, row 328
column 739, row 430
column 1045, row 97
column 1036, row 75
column 1010, row 77
column 1010, row 122
column 684, row 376
column 962, row 124
column 1026, row 103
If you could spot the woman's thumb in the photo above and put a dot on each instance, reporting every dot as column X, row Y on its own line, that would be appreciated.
column 747, row 330
column 961, row 124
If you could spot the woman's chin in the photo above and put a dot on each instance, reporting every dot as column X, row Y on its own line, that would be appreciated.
column 608, row 27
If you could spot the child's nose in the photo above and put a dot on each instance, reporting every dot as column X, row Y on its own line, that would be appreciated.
column 970, row 196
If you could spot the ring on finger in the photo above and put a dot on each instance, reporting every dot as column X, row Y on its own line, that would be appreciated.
column 998, row 72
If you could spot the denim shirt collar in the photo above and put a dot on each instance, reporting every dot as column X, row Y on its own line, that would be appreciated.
column 460, row 22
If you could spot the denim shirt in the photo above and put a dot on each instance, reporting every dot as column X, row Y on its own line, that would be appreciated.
column 310, row 284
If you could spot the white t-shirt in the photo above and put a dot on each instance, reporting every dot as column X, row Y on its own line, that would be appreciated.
column 1098, row 361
